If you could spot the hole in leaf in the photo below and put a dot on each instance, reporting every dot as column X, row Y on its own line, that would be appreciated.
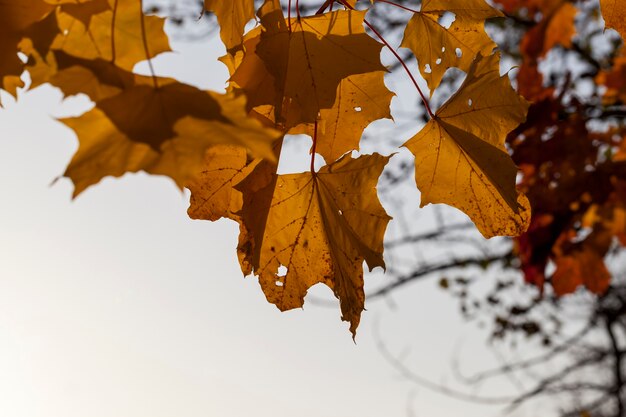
column 458, row 52
column 279, row 283
column 282, row 271
column 446, row 19
column 427, row 69
column 470, row 102
column 358, row 109
column 340, row 212
column 438, row 61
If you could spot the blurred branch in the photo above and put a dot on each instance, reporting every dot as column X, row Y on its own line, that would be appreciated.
column 428, row 270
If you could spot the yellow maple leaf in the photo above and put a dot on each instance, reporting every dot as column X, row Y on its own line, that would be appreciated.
column 438, row 48
column 307, row 58
column 98, row 40
column 460, row 157
column 162, row 131
column 320, row 228
column 96, row 78
column 361, row 99
column 120, row 34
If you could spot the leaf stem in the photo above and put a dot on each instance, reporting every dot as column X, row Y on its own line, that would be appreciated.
column 145, row 45
column 113, row 53
column 298, row 9
column 399, row 58
column 406, row 68
column 313, row 148
column 289, row 15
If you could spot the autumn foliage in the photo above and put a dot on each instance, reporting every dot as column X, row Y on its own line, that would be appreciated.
column 321, row 75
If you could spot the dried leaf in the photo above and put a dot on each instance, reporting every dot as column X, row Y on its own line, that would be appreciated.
column 308, row 62
column 114, row 34
column 361, row 99
column 162, row 131
column 438, row 48
column 319, row 228
column 460, row 157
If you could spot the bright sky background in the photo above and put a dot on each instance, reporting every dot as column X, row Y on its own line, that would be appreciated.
column 117, row 305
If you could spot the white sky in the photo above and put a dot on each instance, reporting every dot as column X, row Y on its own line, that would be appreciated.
column 117, row 305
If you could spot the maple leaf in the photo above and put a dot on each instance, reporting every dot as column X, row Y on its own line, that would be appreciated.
column 438, row 48
column 120, row 34
column 307, row 58
column 460, row 157
column 320, row 227
column 147, row 113
column 214, row 194
column 97, row 78
column 162, row 131
column 103, row 36
column 361, row 99
column 232, row 16
column 614, row 13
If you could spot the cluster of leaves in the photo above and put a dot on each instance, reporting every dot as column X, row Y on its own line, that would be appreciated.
column 570, row 149
column 318, row 75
